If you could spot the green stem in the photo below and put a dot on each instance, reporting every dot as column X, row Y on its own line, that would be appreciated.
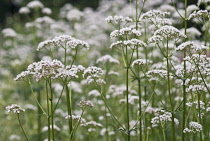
column 22, row 127
column 39, row 121
column 74, row 58
column 164, row 134
column 127, row 93
column 36, row 98
column 140, row 112
column 110, row 111
column 199, row 110
column 71, row 138
column 169, row 93
column 127, row 104
column 184, row 86
column 68, row 99
column 48, row 112
column 65, row 60
column 51, row 110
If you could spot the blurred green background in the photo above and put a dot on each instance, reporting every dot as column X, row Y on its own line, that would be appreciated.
column 10, row 7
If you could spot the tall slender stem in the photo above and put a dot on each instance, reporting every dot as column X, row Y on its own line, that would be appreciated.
column 184, row 86
column 69, row 108
column 48, row 112
column 127, row 104
column 22, row 127
column 52, row 111
column 140, row 112
column 39, row 117
column 199, row 113
column 169, row 93
column 127, row 93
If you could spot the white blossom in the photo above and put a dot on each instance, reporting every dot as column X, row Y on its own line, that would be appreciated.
column 16, row 109
column 35, row 4
column 117, row 19
column 92, row 123
column 24, row 10
column 193, row 127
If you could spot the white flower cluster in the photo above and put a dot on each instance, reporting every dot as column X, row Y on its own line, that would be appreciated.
column 117, row 19
column 202, row 1
column 199, row 61
column 74, row 15
column 202, row 104
column 9, row 32
column 107, row 59
column 192, row 32
column 41, row 70
column 69, row 72
column 46, row 20
column 157, row 17
column 45, row 128
column 94, row 93
column 92, row 123
column 22, row 75
column 196, row 88
column 167, row 32
column 24, row 10
column 14, row 137
column 191, row 8
column 191, row 46
column 117, row 90
column 154, row 14
column 83, row 104
column 16, row 109
column 156, row 74
column 194, row 127
column 140, row 62
column 93, row 75
column 77, row 118
column 162, row 116
column 64, row 41
column 167, row 8
column 124, row 31
column 45, row 69
column 199, row 14
column 35, row 4
column 131, row 43
column 47, row 11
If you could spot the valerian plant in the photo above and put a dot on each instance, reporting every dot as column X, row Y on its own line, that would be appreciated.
column 142, row 74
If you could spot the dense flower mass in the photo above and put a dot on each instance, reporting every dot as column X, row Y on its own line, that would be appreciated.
column 146, row 75
column 42, row 70
column 107, row 59
column 92, row 123
column 117, row 19
column 194, row 127
column 64, row 41
column 133, row 43
column 16, row 109
column 191, row 46
column 9, row 32
column 93, row 75
column 162, row 116
column 83, row 104
column 140, row 62
column 199, row 14
column 167, row 32
column 124, row 32
column 35, row 4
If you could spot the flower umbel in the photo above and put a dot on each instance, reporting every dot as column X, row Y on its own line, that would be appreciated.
column 16, row 109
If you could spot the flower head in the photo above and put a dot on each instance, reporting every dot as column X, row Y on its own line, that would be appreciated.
column 194, row 127
column 83, row 104
column 16, row 109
